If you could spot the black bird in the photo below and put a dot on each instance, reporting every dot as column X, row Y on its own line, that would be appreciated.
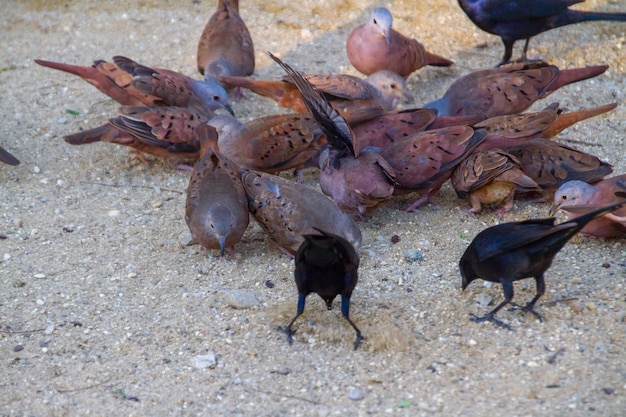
column 327, row 265
column 7, row 158
column 512, row 20
column 512, row 251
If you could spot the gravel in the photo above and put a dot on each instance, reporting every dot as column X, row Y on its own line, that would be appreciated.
column 105, row 311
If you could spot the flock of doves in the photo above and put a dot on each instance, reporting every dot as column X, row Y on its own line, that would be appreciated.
column 476, row 135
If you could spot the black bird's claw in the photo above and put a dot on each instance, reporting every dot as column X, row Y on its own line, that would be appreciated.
column 528, row 308
column 288, row 332
column 357, row 342
column 489, row 317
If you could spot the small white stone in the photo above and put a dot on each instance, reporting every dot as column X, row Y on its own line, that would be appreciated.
column 6, row 256
column 39, row 302
column 40, row 276
column 49, row 329
column 113, row 213
column 204, row 361
column 36, row 169
column 356, row 394
column 532, row 364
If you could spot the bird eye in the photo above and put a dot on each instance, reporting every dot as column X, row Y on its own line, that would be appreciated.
column 216, row 98
column 394, row 86
column 375, row 22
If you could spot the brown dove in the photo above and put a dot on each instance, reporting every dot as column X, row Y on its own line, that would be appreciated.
column 381, row 131
column 511, row 130
column 424, row 161
column 130, row 83
column 587, row 197
column 381, row 90
column 490, row 177
column 225, row 46
column 357, row 182
column 286, row 210
column 270, row 144
column 375, row 46
column 169, row 133
column 7, row 158
column 216, row 210
column 509, row 89
column 551, row 164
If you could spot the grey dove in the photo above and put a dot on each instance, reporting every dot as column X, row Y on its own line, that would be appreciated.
column 216, row 209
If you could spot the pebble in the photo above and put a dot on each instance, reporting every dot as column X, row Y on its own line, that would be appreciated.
column 49, row 329
column 18, row 348
column 62, row 121
column 36, row 169
column 483, row 299
column 40, row 276
column 241, row 299
column 186, row 239
column 413, row 255
column 356, row 394
column 204, row 361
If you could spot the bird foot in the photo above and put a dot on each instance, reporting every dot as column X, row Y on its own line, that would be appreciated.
column 528, row 308
column 357, row 342
column 491, row 318
column 289, row 333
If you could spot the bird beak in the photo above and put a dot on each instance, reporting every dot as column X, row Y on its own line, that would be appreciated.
column 555, row 207
column 409, row 97
column 464, row 284
column 222, row 241
column 387, row 36
column 229, row 109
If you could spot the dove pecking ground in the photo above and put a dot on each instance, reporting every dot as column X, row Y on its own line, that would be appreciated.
column 105, row 312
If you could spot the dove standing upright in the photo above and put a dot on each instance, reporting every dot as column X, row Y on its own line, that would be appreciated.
column 225, row 46
column 375, row 46
column 585, row 196
column 510, row 252
column 326, row 264
column 513, row 20
column 216, row 208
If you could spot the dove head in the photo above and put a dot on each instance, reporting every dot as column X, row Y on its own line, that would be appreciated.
column 221, row 222
column 572, row 193
column 212, row 95
column 391, row 86
column 381, row 19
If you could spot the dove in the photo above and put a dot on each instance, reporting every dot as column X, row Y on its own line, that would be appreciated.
column 130, row 83
column 7, row 158
column 169, row 133
column 216, row 209
column 225, row 46
column 513, row 20
column 358, row 183
column 375, row 46
column 582, row 195
column 271, row 143
column 509, row 252
column 491, row 177
column 551, row 164
column 381, row 90
column 287, row 210
column 509, row 89
column 425, row 160
column 512, row 130
column 383, row 130
column 326, row 264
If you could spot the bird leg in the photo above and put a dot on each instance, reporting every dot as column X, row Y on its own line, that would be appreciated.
column 508, row 52
column 541, row 289
column 287, row 330
column 507, row 287
column 345, row 311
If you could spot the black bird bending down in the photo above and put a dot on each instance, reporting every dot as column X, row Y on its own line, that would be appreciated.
column 512, row 251
column 522, row 19
column 326, row 264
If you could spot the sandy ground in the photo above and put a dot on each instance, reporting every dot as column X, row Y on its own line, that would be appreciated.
column 104, row 312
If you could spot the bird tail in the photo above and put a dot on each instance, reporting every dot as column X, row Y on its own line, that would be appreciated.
column 90, row 136
column 7, row 158
column 569, row 76
column 576, row 16
column 436, row 60
column 566, row 120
